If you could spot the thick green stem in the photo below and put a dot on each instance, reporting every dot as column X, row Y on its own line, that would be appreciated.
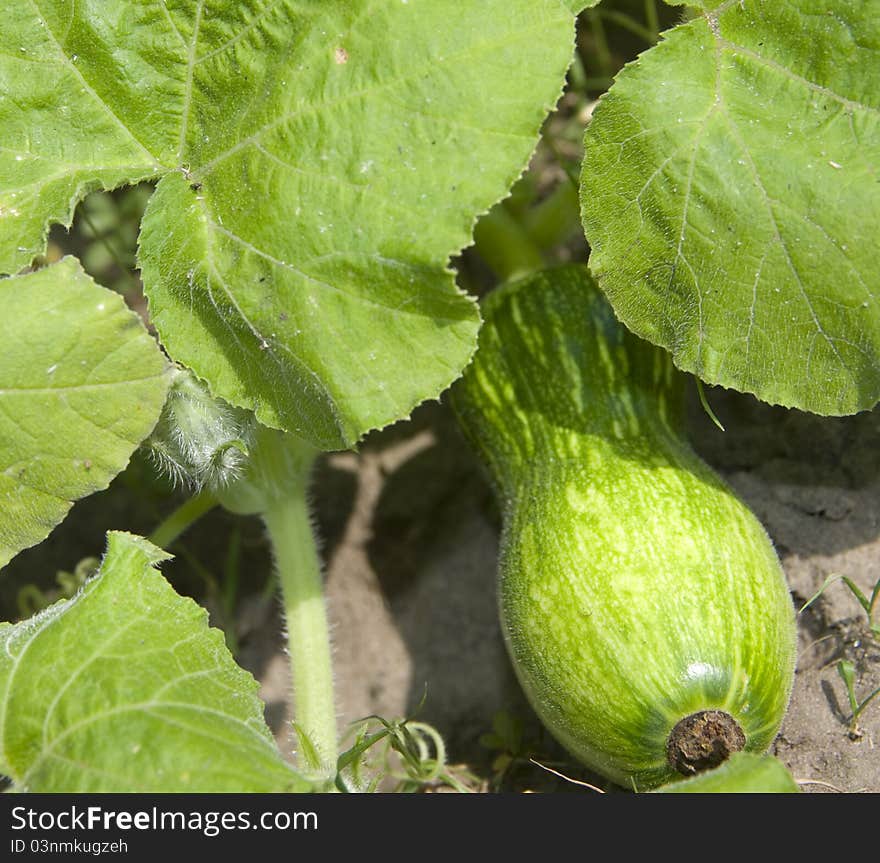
column 623, row 20
column 556, row 218
column 299, row 571
column 182, row 518
column 600, row 42
column 274, row 487
column 652, row 20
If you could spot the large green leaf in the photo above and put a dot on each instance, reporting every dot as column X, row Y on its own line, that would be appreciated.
column 319, row 163
column 82, row 383
column 125, row 688
column 731, row 196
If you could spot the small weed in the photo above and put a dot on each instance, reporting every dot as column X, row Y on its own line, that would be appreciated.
column 507, row 740
column 514, row 751
column 868, row 604
column 412, row 754
column 31, row 599
column 847, row 673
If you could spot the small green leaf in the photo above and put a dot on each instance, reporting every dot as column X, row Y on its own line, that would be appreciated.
column 310, row 756
column 860, row 597
column 847, row 672
column 349, row 779
column 82, row 383
column 865, row 702
column 742, row 773
column 829, row 580
column 125, row 688
column 730, row 197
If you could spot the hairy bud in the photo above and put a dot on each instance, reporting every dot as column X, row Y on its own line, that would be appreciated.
column 200, row 441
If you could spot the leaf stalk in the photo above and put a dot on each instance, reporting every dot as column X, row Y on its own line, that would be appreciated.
column 308, row 634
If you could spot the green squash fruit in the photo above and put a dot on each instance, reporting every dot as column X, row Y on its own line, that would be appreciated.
column 644, row 608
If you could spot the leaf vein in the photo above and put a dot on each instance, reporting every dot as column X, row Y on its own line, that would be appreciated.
column 188, row 88
column 254, row 22
column 759, row 183
column 850, row 104
column 66, row 63
column 352, row 95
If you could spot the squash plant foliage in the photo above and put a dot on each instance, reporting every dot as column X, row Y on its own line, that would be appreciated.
column 316, row 163
column 731, row 200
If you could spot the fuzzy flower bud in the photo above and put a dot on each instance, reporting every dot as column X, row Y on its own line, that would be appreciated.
column 200, row 441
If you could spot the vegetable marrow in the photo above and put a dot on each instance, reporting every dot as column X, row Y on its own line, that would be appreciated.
column 643, row 605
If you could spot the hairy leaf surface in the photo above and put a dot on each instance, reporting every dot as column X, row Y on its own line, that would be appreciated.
column 124, row 688
column 731, row 197
column 82, row 383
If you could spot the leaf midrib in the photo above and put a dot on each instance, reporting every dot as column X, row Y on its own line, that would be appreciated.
column 67, row 63
column 476, row 48
column 720, row 46
column 188, row 87
column 256, row 741
column 849, row 104
column 13, row 391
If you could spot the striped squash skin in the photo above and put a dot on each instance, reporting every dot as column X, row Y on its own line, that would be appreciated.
column 635, row 588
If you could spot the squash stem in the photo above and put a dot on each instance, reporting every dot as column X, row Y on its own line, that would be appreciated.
column 299, row 571
column 623, row 20
column 189, row 512
column 652, row 19
column 556, row 218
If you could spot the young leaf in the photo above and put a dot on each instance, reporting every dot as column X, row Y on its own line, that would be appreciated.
column 730, row 198
column 319, row 164
column 125, row 688
column 81, row 385
column 742, row 773
column 847, row 672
